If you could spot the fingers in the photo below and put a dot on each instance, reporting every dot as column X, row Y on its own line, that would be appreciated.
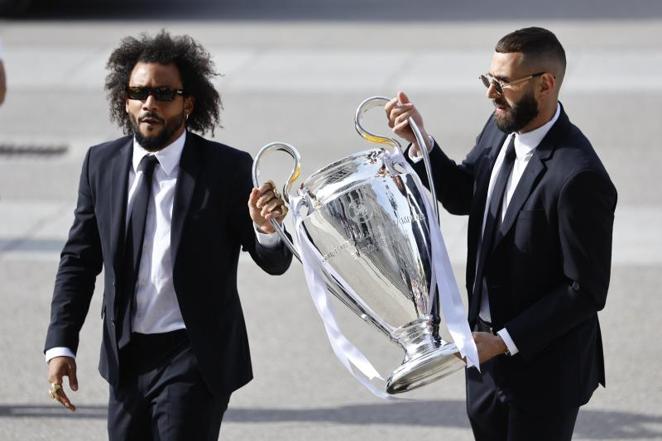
column 388, row 108
column 396, row 106
column 256, row 193
column 62, row 398
column 73, row 379
column 270, row 205
column 58, row 368
column 266, row 199
column 252, row 198
column 398, row 111
column 266, row 204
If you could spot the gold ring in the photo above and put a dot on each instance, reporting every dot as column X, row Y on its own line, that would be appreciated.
column 52, row 392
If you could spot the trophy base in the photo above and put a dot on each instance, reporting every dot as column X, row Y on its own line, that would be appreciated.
column 424, row 369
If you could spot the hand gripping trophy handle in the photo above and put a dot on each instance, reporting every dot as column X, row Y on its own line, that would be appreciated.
column 294, row 175
column 381, row 101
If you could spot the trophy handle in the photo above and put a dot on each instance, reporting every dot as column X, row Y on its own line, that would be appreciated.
column 294, row 175
column 368, row 104
column 381, row 101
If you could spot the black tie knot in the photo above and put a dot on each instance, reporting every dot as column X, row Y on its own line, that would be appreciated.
column 510, row 151
column 147, row 165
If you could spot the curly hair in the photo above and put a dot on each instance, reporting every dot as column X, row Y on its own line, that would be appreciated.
column 195, row 68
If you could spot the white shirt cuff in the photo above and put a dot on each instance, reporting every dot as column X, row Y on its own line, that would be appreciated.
column 59, row 351
column 510, row 344
column 269, row 240
column 416, row 158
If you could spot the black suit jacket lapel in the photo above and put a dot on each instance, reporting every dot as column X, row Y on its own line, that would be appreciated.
column 532, row 174
column 190, row 165
column 119, row 182
column 482, row 184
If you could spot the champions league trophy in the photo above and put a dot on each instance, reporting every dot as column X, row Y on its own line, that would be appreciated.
column 367, row 234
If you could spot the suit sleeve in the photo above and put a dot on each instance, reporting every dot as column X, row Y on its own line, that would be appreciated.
column 80, row 263
column 585, row 221
column 453, row 183
column 274, row 260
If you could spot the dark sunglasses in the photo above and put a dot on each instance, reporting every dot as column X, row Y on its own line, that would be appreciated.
column 499, row 85
column 159, row 93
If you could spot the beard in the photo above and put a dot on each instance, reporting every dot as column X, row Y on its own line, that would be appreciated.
column 163, row 138
column 519, row 115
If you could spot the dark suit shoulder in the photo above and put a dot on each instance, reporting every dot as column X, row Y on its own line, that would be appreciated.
column 213, row 150
column 108, row 149
column 575, row 153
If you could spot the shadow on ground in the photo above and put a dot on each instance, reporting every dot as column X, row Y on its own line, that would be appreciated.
column 592, row 424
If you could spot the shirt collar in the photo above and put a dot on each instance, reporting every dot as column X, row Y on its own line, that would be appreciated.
column 525, row 143
column 168, row 157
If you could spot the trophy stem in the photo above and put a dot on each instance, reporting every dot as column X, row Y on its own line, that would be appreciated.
column 426, row 359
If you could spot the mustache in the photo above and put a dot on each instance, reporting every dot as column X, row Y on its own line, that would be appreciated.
column 500, row 102
column 150, row 115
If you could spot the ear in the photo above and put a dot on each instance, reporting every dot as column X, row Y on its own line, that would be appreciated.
column 126, row 106
column 189, row 105
column 547, row 84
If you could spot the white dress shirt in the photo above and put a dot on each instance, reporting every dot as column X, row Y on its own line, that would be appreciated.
column 156, row 309
column 525, row 144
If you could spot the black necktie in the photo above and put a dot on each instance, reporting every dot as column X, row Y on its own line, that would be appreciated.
column 135, row 232
column 493, row 221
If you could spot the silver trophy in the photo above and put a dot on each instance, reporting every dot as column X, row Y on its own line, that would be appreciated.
column 365, row 216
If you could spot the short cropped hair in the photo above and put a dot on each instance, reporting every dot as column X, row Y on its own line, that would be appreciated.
column 195, row 68
column 536, row 44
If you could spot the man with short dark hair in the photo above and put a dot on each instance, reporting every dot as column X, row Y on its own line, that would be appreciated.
column 541, row 210
column 165, row 212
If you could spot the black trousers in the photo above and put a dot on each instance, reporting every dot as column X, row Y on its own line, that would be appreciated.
column 162, row 396
column 494, row 418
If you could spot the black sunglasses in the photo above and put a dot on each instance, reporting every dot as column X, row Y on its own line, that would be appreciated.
column 159, row 93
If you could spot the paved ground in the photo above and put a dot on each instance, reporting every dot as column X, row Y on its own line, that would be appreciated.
column 300, row 82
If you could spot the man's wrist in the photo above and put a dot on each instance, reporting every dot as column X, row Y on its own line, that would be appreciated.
column 266, row 239
column 415, row 158
column 510, row 347
column 59, row 351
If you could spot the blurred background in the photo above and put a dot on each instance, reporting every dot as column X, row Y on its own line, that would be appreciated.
column 294, row 71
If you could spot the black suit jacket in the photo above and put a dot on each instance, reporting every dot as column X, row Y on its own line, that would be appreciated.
column 210, row 224
column 548, row 272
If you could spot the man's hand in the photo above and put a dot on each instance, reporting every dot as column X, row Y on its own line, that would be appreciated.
column 264, row 204
column 489, row 346
column 398, row 112
column 59, row 367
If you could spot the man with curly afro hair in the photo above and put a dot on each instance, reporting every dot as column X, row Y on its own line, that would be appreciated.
column 165, row 213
